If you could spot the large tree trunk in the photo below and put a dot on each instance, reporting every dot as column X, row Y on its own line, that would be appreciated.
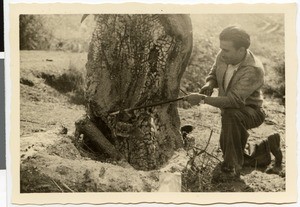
column 136, row 60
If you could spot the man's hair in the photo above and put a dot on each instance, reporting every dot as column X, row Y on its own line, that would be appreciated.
column 238, row 36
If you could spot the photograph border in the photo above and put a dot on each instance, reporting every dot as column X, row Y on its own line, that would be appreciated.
column 289, row 196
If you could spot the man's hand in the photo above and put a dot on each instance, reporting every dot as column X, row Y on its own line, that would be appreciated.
column 207, row 89
column 194, row 98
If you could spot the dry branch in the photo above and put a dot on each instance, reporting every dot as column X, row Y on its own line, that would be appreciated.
column 65, row 185
column 57, row 186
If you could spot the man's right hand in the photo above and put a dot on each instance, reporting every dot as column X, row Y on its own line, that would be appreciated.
column 194, row 98
column 207, row 89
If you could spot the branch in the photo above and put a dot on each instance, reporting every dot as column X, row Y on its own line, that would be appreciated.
column 211, row 132
column 65, row 185
column 57, row 185
column 212, row 156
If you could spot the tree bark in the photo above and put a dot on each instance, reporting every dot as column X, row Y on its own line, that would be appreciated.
column 137, row 60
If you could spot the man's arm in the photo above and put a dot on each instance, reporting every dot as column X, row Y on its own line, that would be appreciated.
column 252, row 80
column 211, row 78
column 211, row 81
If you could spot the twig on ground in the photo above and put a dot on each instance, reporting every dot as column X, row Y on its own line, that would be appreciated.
column 88, row 147
column 211, row 132
column 65, row 185
column 213, row 156
column 34, row 122
column 57, row 186
column 191, row 161
column 200, row 151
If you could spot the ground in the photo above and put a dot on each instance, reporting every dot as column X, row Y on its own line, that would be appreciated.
column 51, row 162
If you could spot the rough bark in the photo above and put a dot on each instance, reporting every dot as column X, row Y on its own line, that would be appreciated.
column 137, row 60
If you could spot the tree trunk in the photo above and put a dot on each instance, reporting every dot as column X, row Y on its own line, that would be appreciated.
column 137, row 60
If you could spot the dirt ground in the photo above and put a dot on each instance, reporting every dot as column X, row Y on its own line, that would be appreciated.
column 51, row 162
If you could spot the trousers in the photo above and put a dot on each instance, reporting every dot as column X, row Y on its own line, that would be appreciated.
column 234, row 134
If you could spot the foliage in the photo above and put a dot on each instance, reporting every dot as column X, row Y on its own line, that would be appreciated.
column 33, row 33
column 71, row 82
column 55, row 32
column 201, row 60
column 275, row 78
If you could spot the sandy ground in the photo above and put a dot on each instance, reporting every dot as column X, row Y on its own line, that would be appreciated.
column 50, row 161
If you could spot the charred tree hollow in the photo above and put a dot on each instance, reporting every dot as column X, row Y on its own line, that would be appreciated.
column 137, row 60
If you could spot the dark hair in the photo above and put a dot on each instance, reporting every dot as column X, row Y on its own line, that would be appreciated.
column 238, row 36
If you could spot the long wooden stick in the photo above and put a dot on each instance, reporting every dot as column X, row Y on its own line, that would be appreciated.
column 150, row 105
column 57, row 185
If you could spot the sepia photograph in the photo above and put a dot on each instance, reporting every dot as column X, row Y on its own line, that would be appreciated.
column 152, row 102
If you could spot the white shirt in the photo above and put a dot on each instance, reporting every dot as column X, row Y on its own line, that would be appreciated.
column 231, row 69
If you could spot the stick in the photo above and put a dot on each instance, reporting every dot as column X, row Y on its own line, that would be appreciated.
column 212, row 156
column 185, row 93
column 88, row 147
column 150, row 105
column 65, row 185
column 211, row 132
column 57, row 185
column 34, row 122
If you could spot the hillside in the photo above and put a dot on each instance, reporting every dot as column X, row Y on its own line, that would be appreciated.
column 51, row 162
column 52, row 84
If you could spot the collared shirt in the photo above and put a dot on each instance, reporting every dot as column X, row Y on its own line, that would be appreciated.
column 231, row 69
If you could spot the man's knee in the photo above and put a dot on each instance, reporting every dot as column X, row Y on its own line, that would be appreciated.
column 231, row 115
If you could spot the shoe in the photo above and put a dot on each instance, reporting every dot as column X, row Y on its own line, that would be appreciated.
column 229, row 170
column 274, row 143
column 274, row 170
column 248, row 161
column 261, row 155
column 225, row 174
column 226, row 168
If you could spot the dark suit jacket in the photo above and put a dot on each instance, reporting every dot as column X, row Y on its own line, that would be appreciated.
column 244, row 87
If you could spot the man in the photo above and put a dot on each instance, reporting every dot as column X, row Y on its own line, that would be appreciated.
column 239, row 76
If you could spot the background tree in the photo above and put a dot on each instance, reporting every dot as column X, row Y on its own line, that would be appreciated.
column 33, row 33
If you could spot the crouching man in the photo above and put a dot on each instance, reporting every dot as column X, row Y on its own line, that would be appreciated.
column 239, row 76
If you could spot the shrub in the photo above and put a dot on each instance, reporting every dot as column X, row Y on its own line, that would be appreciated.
column 71, row 82
column 202, row 59
column 33, row 33
column 275, row 78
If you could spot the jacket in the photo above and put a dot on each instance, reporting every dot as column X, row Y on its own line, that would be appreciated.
column 244, row 88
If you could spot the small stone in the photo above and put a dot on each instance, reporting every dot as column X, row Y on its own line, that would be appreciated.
column 63, row 130
column 102, row 172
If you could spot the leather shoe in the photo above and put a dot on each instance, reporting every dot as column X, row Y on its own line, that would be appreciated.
column 274, row 143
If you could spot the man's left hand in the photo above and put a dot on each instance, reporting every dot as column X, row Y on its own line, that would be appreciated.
column 194, row 98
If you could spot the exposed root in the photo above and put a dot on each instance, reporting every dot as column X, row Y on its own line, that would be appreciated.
column 86, row 127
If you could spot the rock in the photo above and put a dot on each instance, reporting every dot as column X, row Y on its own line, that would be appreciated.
column 26, row 81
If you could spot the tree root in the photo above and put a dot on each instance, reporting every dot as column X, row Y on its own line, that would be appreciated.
column 86, row 127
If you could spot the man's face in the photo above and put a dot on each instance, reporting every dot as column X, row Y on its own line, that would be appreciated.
column 229, row 53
